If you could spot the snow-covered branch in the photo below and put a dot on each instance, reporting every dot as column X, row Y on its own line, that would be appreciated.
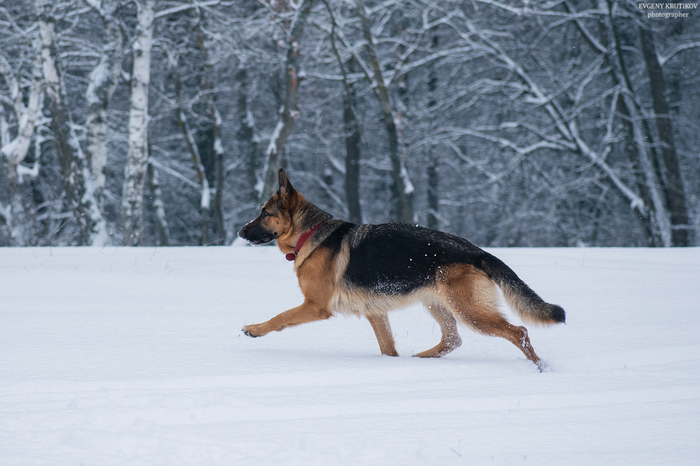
column 676, row 50
column 188, row 6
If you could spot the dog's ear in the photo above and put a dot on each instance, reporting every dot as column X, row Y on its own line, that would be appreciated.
column 287, row 193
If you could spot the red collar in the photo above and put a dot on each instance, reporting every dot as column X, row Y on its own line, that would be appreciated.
column 302, row 239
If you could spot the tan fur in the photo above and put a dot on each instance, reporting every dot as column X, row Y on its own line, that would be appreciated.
column 473, row 298
column 316, row 284
column 382, row 330
column 526, row 311
column 448, row 325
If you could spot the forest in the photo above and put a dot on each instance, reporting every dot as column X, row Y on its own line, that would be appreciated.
column 512, row 123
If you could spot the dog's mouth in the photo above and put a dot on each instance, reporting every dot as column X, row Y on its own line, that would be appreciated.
column 255, row 237
column 259, row 240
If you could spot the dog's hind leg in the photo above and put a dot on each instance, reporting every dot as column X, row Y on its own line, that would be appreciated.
column 382, row 330
column 450, row 339
column 474, row 299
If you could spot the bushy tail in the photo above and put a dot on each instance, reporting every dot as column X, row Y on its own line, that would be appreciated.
column 529, row 306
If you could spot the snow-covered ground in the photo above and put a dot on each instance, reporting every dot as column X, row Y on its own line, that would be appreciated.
column 123, row 356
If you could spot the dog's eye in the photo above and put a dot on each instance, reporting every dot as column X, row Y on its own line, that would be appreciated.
column 263, row 213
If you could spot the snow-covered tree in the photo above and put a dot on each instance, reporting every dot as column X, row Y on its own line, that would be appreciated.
column 103, row 81
column 77, row 180
column 137, row 157
column 14, row 149
column 512, row 123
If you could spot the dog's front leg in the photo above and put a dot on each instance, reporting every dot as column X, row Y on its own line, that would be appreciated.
column 382, row 330
column 307, row 312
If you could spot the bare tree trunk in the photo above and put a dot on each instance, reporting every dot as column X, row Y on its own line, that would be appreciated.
column 215, row 122
column 161, row 221
column 645, row 197
column 674, row 192
column 76, row 177
column 353, row 143
column 247, row 136
column 137, row 157
column 402, row 188
column 290, row 109
column 103, row 82
column 632, row 148
column 353, row 134
column 218, row 173
column 5, row 215
column 205, row 192
column 432, row 171
column 651, row 184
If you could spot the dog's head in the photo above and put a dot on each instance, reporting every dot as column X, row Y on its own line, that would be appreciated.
column 275, row 219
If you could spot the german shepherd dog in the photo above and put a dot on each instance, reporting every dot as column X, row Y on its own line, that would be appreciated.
column 369, row 270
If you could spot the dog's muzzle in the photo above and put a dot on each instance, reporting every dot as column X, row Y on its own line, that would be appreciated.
column 255, row 235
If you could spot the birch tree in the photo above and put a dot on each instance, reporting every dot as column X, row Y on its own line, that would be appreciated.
column 15, row 149
column 137, row 156
column 103, row 82
column 518, row 123
column 76, row 176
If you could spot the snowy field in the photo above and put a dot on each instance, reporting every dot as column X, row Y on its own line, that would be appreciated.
column 135, row 357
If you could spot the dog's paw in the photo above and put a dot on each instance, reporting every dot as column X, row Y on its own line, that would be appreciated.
column 252, row 331
column 543, row 366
